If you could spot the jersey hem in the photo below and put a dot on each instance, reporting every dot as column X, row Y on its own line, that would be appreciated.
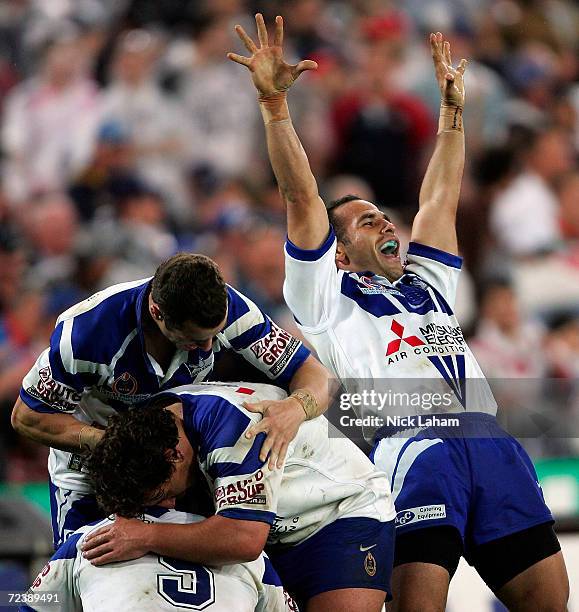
column 423, row 250
column 310, row 254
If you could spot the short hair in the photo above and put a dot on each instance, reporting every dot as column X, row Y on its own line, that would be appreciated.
column 189, row 288
column 133, row 459
column 335, row 221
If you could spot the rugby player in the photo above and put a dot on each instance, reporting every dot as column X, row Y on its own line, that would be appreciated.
column 327, row 516
column 153, row 583
column 127, row 342
column 474, row 492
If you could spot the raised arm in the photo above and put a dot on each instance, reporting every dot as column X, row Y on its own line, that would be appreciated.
column 307, row 220
column 435, row 222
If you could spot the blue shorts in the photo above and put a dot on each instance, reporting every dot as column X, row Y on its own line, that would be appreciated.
column 350, row 553
column 478, row 479
column 71, row 510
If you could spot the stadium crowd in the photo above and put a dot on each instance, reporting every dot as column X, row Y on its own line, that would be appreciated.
column 127, row 135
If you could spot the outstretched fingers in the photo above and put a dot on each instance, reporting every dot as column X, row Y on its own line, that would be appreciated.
column 261, row 31
column 247, row 41
column 244, row 61
column 278, row 36
column 462, row 66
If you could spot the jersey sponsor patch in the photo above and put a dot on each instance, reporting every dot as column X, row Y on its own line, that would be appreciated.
column 54, row 393
column 275, row 349
column 250, row 491
column 420, row 513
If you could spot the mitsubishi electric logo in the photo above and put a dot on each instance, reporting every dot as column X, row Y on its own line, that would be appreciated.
column 394, row 345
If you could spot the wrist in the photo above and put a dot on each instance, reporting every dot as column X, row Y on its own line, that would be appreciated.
column 274, row 107
column 88, row 438
column 307, row 401
column 149, row 539
column 450, row 118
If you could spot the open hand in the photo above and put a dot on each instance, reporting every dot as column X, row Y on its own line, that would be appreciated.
column 270, row 73
column 122, row 541
column 281, row 421
column 450, row 80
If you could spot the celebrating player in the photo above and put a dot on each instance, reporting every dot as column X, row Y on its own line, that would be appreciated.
column 369, row 317
column 129, row 341
column 328, row 517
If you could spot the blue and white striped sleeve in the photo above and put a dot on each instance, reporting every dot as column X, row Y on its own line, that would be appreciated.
column 52, row 385
column 243, row 486
column 268, row 347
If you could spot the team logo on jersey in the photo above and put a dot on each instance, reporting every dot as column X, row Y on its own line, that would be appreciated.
column 125, row 384
column 370, row 564
column 443, row 345
column 198, row 370
column 276, row 349
column 247, row 491
column 375, row 286
column 394, row 345
column 54, row 393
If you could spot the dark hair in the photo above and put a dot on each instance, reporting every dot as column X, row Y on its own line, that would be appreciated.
column 189, row 287
column 335, row 221
column 134, row 458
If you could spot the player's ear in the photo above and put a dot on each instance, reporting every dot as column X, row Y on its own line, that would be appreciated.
column 342, row 259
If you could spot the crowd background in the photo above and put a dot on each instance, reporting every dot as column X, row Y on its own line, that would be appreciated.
column 126, row 135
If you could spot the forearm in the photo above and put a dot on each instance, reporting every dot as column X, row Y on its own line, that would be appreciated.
column 307, row 219
column 442, row 181
column 215, row 541
column 312, row 378
column 60, row 431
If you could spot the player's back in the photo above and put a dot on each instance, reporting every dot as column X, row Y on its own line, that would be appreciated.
column 155, row 583
column 325, row 476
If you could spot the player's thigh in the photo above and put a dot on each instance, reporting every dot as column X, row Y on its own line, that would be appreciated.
column 425, row 562
column 544, row 586
column 347, row 600
column 419, row 587
column 525, row 569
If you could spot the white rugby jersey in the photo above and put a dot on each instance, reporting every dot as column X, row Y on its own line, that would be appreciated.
column 96, row 363
column 325, row 477
column 154, row 583
column 365, row 327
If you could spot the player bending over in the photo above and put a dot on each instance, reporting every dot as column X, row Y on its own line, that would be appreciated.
column 474, row 491
column 128, row 342
column 327, row 516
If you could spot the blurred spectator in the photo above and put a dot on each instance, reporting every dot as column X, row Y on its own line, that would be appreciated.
column 154, row 123
column 51, row 227
column 373, row 114
column 220, row 103
column 568, row 192
column 112, row 160
column 563, row 347
column 524, row 217
column 50, row 123
column 506, row 344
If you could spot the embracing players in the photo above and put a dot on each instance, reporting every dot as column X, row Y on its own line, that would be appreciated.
column 128, row 342
column 473, row 492
column 327, row 517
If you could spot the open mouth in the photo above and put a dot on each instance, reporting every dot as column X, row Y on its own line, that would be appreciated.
column 390, row 248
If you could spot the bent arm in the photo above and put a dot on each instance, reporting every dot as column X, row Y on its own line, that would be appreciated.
column 218, row 540
column 60, row 431
column 307, row 219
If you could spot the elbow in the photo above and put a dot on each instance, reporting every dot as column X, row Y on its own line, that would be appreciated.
column 252, row 542
column 22, row 418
